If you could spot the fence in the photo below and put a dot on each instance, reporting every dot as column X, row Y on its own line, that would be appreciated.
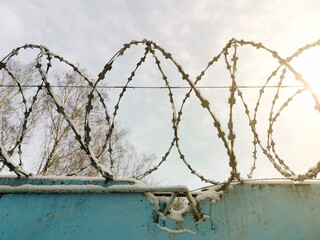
column 216, row 218
column 227, row 137
column 73, row 208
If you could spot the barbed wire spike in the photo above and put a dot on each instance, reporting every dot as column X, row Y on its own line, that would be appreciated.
column 229, row 54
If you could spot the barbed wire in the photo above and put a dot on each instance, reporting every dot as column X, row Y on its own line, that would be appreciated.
column 229, row 55
column 149, row 87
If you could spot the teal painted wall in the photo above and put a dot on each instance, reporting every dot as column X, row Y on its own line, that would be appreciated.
column 248, row 211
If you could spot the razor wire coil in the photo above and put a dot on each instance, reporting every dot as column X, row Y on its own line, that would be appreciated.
column 229, row 55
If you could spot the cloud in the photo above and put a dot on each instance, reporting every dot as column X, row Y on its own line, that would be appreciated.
column 12, row 26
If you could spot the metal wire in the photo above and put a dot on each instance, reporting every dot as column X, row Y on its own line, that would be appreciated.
column 229, row 55
column 149, row 87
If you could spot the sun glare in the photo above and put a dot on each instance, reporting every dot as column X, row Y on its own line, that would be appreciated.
column 308, row 65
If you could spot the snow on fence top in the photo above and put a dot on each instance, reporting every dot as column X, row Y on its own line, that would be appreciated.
column 12, row 157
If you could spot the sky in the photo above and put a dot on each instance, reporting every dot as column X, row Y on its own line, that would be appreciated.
column 89, row 33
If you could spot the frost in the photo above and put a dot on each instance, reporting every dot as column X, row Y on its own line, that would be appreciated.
column 89, row 188
column 281, row 181
column 175, row 231
column 28, row 188
column 163, row 217
column 133, row 180
column 164, row 199
column 178, row 215
column 211, row 193
column 153, row 199
column 10, row 163
column 68, row 178
column 204, row 218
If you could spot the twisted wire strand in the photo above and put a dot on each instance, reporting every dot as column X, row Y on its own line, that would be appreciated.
column 153, row 49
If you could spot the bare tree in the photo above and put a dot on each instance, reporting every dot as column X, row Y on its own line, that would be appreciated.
column 13, row 107
column 62, row 154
